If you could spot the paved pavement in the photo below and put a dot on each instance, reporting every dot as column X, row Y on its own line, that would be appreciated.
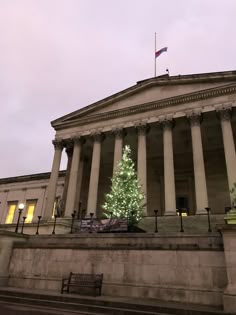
column 17, row 309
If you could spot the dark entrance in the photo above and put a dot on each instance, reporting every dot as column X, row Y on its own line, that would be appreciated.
column 182, row 203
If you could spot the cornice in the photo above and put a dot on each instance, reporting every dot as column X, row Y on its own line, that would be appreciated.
column 140, row 108
column 27, row 178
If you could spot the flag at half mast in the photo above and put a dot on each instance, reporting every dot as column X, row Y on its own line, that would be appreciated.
column 159, row 52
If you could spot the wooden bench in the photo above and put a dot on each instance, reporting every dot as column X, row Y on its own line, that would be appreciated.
column 83, row 280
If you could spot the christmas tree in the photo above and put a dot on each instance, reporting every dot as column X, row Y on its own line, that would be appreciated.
column 125, row 200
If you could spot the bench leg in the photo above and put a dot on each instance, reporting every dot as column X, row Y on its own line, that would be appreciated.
column 62, row 289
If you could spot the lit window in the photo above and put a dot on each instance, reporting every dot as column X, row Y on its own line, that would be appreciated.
column 11, row 208
column 30, row 207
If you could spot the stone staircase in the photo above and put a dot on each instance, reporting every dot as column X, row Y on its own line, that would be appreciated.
column 76, row 304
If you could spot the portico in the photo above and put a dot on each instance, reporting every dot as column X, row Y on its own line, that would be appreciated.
column 181, row 132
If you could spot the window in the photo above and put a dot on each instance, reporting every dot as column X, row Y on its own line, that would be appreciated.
column 30, row 207
column 11, row 208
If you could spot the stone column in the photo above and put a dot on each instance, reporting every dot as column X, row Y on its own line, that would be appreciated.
column 119, row 135
column 142, row 130
column 169, row 174
column 69, row 145
column 94, row 174
column 3, row 206
column 198, row 162
column 224, row 114
column 78, row 203
column 71, row 192
column 51, row 194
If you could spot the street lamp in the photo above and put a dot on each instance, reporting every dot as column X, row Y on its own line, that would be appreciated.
column 54, row 225
column 156, row 229
column 209, row 221
column 39, row 218
column 22, row 227
column 20, row 208
column 73, row 214
column 91, row 222
column 181, row 220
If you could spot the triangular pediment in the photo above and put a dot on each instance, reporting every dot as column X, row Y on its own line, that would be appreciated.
column 152, row 90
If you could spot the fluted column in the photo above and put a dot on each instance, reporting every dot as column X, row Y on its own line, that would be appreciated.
column 119, row 135
column 198, row 162
column 68, row 144
column 142, row 129
column 225, row 113
column 94, row 174
column 169, row 174
column 51, row 194
column 71, row 192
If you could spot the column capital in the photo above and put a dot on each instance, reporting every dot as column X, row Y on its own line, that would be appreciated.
column 97, row 136
column 194, row 117
column 68, row 145
column 58, row 143
column 167, row 122
column 224, row 111
column 141, row 127
column 118, row 132
column 78, row 140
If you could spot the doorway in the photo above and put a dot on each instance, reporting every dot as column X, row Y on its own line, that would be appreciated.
column 182, row 203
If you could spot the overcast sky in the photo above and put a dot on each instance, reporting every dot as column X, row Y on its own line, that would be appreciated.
column 57, row 56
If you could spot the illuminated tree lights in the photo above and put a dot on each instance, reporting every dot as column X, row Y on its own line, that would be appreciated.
column 126, row 199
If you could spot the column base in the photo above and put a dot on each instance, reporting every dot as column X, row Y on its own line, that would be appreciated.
column 201, row 212
column 170, row 213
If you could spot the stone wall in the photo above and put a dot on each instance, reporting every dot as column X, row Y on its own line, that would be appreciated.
column 177, row 268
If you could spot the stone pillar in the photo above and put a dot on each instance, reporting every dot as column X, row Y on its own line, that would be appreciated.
column 3, row 207
column 94, row 174
column 69, row 145
column 198, row 162
column 71, row 192
column 229, row 297
column 119, row 134
column 142, row 130
column 52, row 186
column 224, row 114
column 79, row 188
column 169, row 173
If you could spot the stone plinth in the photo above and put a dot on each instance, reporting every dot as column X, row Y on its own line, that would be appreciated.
column 229, row 238
column 172, row 268
column 7, row 240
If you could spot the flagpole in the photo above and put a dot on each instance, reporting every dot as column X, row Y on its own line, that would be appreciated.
column 155, row 55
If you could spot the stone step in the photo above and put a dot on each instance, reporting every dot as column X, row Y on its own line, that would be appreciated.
column 103, row 305
column 191, row 224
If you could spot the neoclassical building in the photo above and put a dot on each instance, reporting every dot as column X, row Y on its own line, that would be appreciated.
column 181, row 130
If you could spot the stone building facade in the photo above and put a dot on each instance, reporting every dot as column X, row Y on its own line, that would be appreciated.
column 181, row 130
column 31, row 190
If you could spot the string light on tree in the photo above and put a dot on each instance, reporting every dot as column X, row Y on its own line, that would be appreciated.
column 126, row 199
